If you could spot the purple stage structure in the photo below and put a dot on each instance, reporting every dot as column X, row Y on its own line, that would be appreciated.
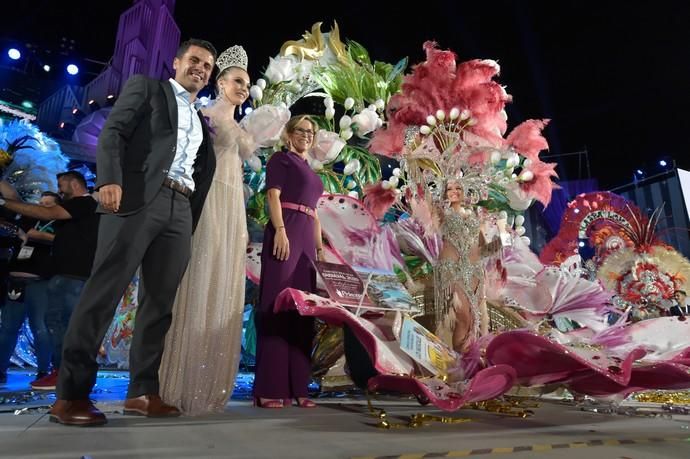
column 147, row 40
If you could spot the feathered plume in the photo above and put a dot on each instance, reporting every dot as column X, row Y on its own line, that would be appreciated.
column 378, row 200
column 34, row 165
column 540, row 186
column 437, row 84
column 527, row 138
column 423, row 214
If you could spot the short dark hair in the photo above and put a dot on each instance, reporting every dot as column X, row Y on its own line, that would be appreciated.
column 57, row 197
column 681, row 291
column 73, row 175
column 184, row 46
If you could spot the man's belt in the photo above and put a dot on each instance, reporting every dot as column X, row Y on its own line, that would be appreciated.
column 177, row 186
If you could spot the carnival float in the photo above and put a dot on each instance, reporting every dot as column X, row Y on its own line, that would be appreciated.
column 598, row 327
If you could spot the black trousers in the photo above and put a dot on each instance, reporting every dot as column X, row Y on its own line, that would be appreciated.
column 158, row 238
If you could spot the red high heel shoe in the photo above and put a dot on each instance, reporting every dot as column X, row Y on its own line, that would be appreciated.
column 268, row 403
column 304, row 402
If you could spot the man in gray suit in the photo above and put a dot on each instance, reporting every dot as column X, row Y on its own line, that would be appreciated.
column 155, row 164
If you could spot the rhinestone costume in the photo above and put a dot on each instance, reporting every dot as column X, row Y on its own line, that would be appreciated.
column 458, row 274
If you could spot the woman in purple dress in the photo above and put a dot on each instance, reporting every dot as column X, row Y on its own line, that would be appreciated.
column 292, row 241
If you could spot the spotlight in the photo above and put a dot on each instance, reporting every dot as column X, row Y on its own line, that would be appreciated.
column 66, row 129
column 584, row 250
column 638, row 175
column 78, row 114
column 14, row 53
column 663, row 163
column 27, row 104
column 93, row 105
column 46, row 68
column 72, row 69
column 110, row 100
column 110, row 96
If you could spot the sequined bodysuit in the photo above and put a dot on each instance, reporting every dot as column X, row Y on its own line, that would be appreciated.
column 458, row 271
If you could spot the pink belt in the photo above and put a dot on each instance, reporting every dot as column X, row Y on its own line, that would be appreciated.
column 298, row 207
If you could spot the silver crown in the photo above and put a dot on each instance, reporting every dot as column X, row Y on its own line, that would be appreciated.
column 235, row 56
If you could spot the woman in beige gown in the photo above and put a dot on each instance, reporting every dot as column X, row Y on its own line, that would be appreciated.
column 202, row 347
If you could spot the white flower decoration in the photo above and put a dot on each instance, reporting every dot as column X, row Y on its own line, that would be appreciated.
column 366, row 121
column 352, row 167
column 281, row 69
column 345, row 122
column 256, row 92
column 327, row 146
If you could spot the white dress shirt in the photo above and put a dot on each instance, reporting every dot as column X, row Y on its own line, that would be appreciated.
column 189, row 137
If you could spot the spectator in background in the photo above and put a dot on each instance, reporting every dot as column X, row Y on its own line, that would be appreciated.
column 74, row 247
column 29, row 271
column 680, row 304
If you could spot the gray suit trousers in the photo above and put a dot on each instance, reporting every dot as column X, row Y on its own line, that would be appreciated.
column 157, row 238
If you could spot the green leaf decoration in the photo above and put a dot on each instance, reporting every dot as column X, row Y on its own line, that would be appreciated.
column 358, row 53
column 256, row 208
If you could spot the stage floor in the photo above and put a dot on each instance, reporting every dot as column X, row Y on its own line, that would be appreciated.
column 338, row 428
column 111, row 387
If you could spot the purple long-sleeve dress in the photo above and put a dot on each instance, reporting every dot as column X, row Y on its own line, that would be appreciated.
column 284, row 340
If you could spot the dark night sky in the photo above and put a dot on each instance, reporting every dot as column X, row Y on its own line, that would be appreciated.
column 612, row 76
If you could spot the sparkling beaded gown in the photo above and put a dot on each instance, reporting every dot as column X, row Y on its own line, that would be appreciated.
column 202, row 347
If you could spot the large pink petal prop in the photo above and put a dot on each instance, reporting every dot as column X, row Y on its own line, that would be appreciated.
column 382, row 348
column 354, row 232
column 486, row 384
column 538, row 360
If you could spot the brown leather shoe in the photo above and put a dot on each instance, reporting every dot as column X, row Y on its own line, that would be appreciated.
column 150, row 405
column 76, row 413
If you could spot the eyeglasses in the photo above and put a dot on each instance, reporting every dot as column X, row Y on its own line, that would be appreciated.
column 307, row 132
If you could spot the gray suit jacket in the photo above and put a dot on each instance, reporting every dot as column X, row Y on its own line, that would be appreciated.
column 137, row 146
